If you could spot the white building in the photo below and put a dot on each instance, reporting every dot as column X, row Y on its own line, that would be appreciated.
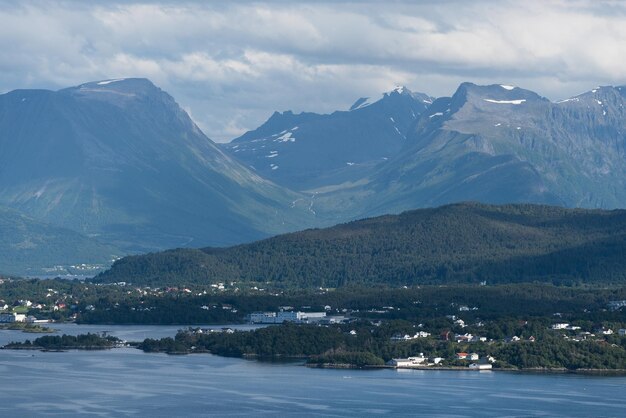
column 409, row 362
column 480, row 366
column 12, row 317
column 407, row 337
column 285, row 316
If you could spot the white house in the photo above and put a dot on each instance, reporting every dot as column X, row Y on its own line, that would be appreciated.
column 407, row 337
column 622, row 332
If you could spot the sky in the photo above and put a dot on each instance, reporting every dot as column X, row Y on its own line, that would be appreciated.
column 230, row 65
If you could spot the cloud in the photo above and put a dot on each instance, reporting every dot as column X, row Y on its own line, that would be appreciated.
column 233, row 63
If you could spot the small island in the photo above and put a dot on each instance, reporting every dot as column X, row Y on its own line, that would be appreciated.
column 67, row 342
column 27, row 327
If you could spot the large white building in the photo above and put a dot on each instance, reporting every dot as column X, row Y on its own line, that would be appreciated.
column 12, row 317
column 285, row 316
column 409, row 362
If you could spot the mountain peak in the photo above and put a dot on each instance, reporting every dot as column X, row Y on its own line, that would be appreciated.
column 398, row 92
column 493, row 94
column 401, row 90
column 129, row 87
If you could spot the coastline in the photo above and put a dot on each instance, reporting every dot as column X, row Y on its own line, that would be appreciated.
column 254, row 357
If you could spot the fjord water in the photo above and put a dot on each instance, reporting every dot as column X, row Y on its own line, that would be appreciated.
column 128, row 382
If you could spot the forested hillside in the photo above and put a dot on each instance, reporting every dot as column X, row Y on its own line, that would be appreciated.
column 467, row 242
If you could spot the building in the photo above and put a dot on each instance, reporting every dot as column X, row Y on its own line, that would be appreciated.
column 285, row 316
column 407, row 337
column 409, row 362
column 12, row 317
column 616, row 304
column 480, row 366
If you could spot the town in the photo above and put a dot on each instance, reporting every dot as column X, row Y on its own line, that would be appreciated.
column 417, row 327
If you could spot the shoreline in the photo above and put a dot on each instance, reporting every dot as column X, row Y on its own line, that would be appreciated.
column 285, row 359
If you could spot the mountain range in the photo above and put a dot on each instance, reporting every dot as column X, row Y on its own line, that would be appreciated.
column 119, row 163
column 309, row 150
column 502, row 144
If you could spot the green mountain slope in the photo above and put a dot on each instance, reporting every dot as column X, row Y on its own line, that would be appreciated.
column 29, row 247
column 467, row 242
column 121, row 159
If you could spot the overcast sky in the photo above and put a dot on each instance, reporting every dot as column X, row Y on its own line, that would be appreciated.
column 231, row 64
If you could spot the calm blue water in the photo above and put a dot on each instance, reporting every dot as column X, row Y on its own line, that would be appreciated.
column 127, row 382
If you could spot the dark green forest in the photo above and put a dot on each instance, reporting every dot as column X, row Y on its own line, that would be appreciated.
column 460, row 243
column 66, row 342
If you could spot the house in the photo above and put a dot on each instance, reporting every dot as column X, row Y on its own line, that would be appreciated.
column 560, row 325
column 461, row 356
column 407, row 337
column 476, row 339
column 401, row 337
column 621, row 332
column 474, row 356
column 463, row 338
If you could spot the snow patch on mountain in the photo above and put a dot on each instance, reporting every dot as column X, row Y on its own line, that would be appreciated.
column 573, row 99
column 286, row 137
column 514, row 102
column 104, row 83
column 360, row 103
